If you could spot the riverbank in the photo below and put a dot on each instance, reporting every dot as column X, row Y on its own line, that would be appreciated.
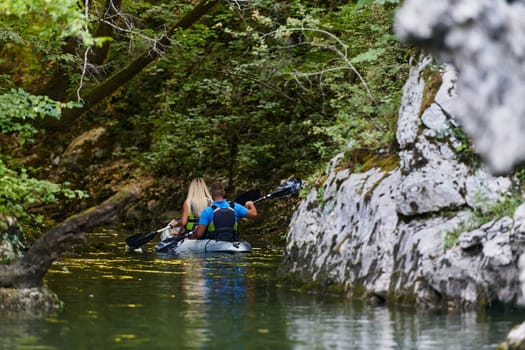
column 435, row 232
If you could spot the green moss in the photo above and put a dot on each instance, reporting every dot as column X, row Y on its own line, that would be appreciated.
column 320, row 197
column 355, row 157
column 451, row 237
column 361, row 160
column 309, row 286
column 336, row 288
column 391, row 293
column 322, row 180
column 433, row 80
column 409, row 297
column 503, row 346
column 368, row 194
column 505, row 207
column 384, row 162
column 359, row 290
column 483, row 300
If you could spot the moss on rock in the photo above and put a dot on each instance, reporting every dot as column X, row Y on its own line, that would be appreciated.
column 31, row 301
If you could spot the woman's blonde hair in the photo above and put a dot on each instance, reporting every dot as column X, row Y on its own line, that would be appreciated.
column 198, row 196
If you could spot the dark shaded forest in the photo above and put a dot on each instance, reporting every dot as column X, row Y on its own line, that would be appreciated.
column 153, row 93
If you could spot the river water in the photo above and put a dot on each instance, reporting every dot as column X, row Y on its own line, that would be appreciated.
column 120, row 300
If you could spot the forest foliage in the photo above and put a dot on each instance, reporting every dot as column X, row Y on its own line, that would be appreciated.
column 254, row 91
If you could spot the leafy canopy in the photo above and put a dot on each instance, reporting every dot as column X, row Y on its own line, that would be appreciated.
column 18, row 109
column 271, row 89
column 50, row 21
column 18, row 190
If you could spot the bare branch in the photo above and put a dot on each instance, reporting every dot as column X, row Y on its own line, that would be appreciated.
column 118, row 79
column 340, row 49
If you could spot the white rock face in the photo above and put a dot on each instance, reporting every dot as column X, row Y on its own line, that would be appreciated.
column 380, row 233
column 485, row 41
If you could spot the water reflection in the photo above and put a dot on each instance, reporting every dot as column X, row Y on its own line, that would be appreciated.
column 351, row 325
column 115, row 300
column 216, row 291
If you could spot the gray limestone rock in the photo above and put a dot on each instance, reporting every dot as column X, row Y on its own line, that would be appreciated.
column 485, row 41
column 387, row 234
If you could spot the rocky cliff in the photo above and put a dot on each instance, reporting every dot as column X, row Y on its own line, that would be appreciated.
column 422, row 233
column 485, row 41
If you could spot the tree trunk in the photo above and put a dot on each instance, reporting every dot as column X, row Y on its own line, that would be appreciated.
column 100, row 54
column 58, row 86
column 29, row 271
column 117, row 80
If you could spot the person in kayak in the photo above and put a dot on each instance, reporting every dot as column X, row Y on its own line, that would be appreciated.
column 197, row 199
column 220, row 221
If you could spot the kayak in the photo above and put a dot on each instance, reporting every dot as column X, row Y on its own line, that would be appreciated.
column 203, row 246
column 182, row 245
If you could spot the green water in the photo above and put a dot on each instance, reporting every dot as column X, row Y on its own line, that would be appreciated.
column 120, row 300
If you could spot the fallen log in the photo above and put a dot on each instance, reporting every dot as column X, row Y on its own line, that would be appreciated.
column 29, row 270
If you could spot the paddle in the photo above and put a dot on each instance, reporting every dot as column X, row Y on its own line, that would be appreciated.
column 139, row 239
column 251, row 195
column 165, row 244
column 289, row 187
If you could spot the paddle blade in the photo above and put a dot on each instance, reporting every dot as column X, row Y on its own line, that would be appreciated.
column 288, row 188
column 139, row 239
column 251, row 195
column 292, row 186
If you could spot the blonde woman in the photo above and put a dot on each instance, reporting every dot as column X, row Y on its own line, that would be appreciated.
column 197, row 200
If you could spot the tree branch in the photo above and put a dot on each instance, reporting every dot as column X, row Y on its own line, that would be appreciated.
column 29, row 271
column 117, row 80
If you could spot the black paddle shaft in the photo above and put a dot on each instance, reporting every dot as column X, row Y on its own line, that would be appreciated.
column 289, row 187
